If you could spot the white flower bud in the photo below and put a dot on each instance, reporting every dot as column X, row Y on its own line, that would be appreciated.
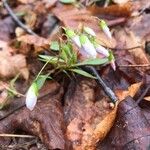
column 107, row 32
column 31, row 97
column 105, row 28
column 100, row 49
column 87, row 46
column 76, row 40
column 89, row 31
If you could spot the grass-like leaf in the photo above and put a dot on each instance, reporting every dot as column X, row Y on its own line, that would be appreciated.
column 83, row 73
column 95, row 61
column 51, row 59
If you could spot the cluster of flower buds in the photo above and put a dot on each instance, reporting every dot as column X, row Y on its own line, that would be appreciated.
column 89, row 48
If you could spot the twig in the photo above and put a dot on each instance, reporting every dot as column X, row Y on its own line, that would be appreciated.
column 107, row 90
column 17, row 135
column 11, row 13
column 140, row 65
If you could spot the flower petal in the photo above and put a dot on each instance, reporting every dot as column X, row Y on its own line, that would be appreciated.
column 88, row 47
column 76, row 40
column 89, row 31
column 100, row 49
column 31, row 97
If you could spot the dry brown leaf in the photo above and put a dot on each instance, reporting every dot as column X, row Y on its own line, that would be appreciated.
column 88, row 119
column 27, row 41
column 112, row 10
column 132, row 90
column 126, row 40
column 30, row 19
column 11, row 64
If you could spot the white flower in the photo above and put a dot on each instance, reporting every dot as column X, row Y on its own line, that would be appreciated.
column 87, row 46
column 89, row 31
column 100, row 49
column 76, row 40
column 105, row 28
column 31, row 97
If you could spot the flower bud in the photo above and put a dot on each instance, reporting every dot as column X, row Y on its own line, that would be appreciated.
column 87, row 46
column 89, row 31
column 75, row 38
column 100, row 49
column 105, row 28
column 31, row 96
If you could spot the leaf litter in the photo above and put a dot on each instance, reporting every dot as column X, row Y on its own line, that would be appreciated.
column 76, row 114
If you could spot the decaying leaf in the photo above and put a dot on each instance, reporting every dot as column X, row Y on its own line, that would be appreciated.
column 11, row 64
column 131, row 129
column 132, row 90
column 88, row 118
column 27, row 41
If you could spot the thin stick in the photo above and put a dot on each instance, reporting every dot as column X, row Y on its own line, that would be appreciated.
column 23, row 26
column 107, row 90
column 140, row 65
column 16, row 135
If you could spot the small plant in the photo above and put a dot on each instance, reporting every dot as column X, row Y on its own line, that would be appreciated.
column 80, row 49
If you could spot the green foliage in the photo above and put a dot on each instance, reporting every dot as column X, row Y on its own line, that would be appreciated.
column 54, row 46
column 41, row 80
column 83, row 73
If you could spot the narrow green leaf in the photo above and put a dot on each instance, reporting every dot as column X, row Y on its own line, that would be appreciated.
column 54, row 46
column 41, row 80
column 51, row 59
column 67, row 1
column 83, row 73
column 95, row 61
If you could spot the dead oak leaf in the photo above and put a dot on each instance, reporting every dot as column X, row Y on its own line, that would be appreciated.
column 88, row 119
column 27, row 41
column 132, row 90
column 12, row 64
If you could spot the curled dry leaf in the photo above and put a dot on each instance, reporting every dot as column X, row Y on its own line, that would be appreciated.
column 88, row 118
column 11, row 64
